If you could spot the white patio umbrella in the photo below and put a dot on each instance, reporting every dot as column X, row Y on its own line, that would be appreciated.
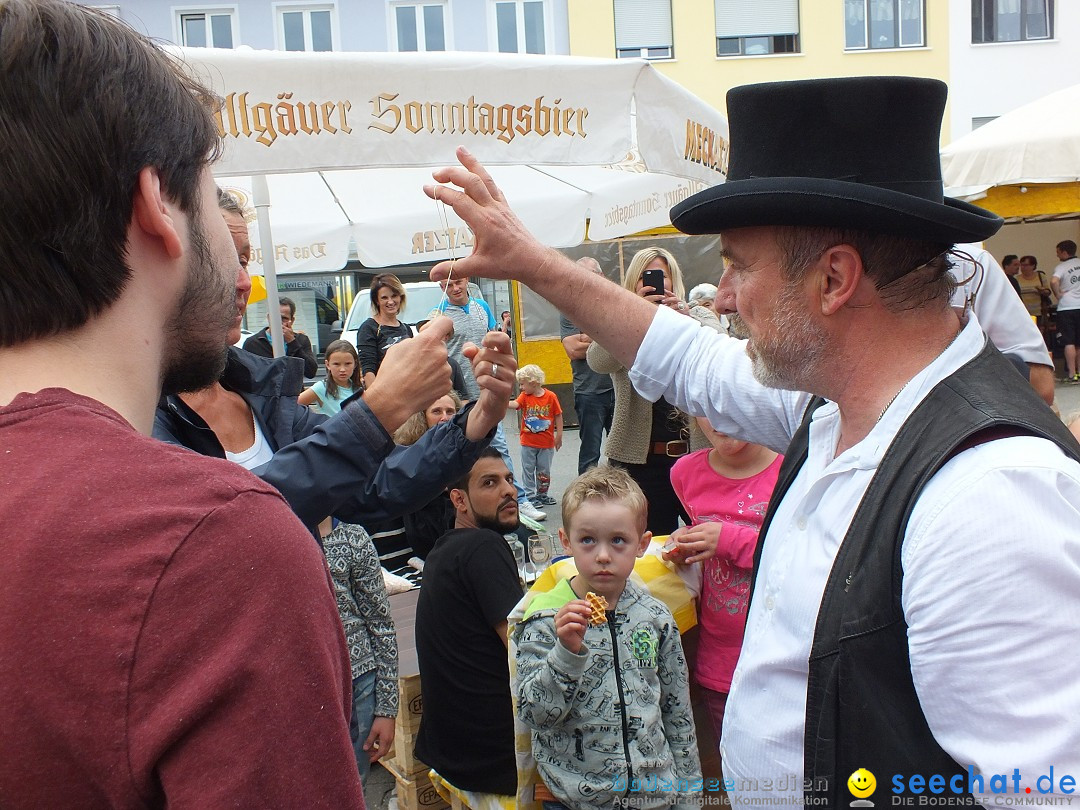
column 345, row 142
column 1024, row 164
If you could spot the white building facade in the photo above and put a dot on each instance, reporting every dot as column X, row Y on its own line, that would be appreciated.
column 1005, row 53
column 513, row 26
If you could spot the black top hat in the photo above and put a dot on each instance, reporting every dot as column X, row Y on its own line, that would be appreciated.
column 853, row 153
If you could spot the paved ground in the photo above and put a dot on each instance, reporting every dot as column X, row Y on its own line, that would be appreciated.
column 1067, row 398
column 380, row 788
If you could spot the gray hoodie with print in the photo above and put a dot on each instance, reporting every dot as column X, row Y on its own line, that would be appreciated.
column 614, row 720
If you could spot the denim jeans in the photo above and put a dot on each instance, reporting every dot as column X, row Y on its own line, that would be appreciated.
column 363, row 715
column 499, row 443
column 536, row 469
column 594, row 413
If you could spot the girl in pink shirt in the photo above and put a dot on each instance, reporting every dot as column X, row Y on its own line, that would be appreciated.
column 726, row 492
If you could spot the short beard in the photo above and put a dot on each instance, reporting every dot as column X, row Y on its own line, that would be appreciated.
column 790, row 360
column 493, row 522
column 197, row 333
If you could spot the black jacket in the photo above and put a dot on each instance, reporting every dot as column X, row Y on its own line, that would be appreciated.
column 346, row 465
column 259, row 344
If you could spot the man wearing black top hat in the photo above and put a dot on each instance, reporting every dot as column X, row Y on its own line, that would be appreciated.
column 907, row 618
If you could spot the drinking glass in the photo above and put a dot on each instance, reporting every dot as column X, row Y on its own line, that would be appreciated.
column 540, row 551
column 518, row 549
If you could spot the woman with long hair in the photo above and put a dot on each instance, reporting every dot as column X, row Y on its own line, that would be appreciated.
column 383, row 329
column 647, row 438
column 421, row 422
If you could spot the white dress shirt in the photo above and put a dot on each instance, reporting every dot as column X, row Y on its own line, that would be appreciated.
column 991, row 571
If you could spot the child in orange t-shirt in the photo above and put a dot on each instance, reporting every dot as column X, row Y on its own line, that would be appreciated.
column 541, row 433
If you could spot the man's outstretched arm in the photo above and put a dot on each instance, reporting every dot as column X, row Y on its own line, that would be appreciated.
column 504, row 249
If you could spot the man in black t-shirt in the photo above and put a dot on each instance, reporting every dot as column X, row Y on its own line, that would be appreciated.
column 470, row 586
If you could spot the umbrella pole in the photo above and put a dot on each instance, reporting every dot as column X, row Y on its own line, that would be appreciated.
column 260, row 190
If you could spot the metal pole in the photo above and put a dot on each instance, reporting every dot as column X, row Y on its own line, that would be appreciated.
column 261, row 193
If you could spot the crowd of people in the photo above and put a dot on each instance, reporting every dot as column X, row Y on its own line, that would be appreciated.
column 832, row 439
column 1053, row 301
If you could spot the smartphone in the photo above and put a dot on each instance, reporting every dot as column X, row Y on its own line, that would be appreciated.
column 655, row 279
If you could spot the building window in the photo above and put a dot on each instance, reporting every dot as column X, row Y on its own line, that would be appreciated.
column 306, row 28
column 520, row 26
column 643, row 29
column 111, row 10
column 758, row 28
column 870, row 24
column 420, row 27
column 1011, row 20
column 210, row 28
column 756, row 46
column 981, row 120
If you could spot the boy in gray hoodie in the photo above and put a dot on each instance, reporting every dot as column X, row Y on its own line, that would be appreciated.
column 606, row 696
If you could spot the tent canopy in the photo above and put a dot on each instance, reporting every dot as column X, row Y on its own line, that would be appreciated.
column 1024, row 164
column 347, row 140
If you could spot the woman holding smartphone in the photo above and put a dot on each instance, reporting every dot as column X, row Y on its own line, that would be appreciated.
column 647, row 438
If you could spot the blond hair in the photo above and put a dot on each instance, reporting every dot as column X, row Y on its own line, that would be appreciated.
column 646, row 255
column 530, row 373
column 608, row 484
column 416, row 425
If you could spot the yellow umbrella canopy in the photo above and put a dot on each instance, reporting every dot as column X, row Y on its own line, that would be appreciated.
column 258, row 290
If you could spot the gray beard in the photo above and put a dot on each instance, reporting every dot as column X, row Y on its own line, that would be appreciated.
column 790, row 360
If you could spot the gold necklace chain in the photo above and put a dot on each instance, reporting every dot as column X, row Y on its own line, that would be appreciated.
column 890, row 402
column 905, row 385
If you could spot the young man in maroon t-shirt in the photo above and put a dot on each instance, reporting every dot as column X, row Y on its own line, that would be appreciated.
column 169, row 632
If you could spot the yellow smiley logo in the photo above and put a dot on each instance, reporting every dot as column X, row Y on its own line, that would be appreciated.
column 861, row 783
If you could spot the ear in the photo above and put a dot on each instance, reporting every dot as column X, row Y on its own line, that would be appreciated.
column 840, row 269
column 564, row 538
column 153, row 215
column 460, row 500
column 644, row 543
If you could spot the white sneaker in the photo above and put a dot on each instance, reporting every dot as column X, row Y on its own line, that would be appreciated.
column 528, row 510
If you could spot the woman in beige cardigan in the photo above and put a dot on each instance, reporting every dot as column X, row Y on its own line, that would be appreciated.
column 646, row 438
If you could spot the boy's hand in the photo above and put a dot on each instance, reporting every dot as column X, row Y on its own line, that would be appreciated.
column 570, row 624
column 691, row 544
column 558, row 441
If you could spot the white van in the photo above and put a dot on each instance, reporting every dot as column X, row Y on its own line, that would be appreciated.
column 420, row 298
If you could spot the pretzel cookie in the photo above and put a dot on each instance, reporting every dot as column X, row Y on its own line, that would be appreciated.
column 599, row 608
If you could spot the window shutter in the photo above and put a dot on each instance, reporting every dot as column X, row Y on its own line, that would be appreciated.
column 643, row 23
column 738, row 18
